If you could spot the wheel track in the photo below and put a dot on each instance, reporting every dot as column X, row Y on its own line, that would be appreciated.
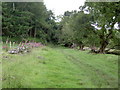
column 108, row 79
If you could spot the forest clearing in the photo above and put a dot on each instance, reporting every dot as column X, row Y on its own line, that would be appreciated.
column 78, row 48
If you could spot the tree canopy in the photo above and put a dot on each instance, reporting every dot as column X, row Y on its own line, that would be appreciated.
column 27, row 19
column 93, row 25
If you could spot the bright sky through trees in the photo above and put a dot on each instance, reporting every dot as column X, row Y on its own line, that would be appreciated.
column 60, row 6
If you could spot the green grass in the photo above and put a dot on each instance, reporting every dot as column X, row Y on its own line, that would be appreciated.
column 0, row 65
column 59, row 68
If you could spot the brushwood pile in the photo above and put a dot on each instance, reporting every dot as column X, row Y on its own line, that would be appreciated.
column 23, row 47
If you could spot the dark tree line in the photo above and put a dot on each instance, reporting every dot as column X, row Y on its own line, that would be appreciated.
column 27, row 19
column 93, row 25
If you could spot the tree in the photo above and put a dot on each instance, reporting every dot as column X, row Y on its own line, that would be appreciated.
column 77, row 29
column 105, row 15
column 83, row 31
column 28, row 19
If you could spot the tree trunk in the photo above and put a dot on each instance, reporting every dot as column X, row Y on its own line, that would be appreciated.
column 35, row 33
column 13, row 6
column 31, row 33
column 103, row 46
column 81, row 47
column 104, row 40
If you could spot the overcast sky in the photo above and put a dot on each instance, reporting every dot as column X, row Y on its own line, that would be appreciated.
column 60, row 6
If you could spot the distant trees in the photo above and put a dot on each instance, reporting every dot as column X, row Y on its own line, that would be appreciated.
column 77, row 29
column 27, row 19
column 93, row 25
column 83, row 31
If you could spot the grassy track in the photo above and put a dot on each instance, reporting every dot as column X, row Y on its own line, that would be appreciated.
column 60, row 68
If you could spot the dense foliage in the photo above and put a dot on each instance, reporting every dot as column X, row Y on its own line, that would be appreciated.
column 25, row 19
column 93, row 25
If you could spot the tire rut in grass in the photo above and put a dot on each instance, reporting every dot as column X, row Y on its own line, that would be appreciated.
column 108, row 80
